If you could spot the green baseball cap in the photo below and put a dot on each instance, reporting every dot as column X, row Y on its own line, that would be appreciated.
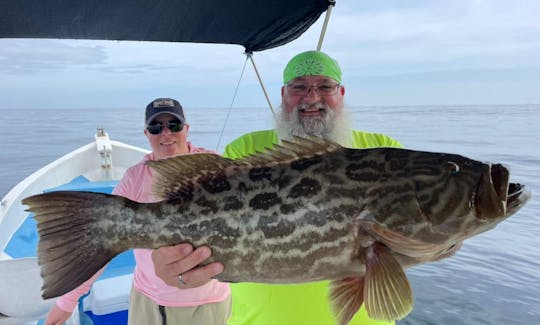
column 312, row 63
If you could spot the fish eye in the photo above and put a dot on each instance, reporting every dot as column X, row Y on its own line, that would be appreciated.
column 453, row 167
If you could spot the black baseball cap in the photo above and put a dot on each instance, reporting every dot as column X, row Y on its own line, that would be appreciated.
column 164, row 105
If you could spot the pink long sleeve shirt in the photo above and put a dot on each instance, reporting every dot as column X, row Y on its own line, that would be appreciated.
column 136, row 185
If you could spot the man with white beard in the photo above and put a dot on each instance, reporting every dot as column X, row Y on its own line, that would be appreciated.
column 312, row 105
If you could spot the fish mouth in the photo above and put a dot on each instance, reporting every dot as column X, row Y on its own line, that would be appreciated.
column 492, row 192
column 496, row 197
column 518, row 195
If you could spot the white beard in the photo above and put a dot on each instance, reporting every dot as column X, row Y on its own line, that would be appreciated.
column 330, row 125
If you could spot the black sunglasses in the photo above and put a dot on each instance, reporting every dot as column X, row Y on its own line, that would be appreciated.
column 173, row 125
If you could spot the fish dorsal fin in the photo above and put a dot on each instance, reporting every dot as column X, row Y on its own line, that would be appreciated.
column 177, row 175
column 288, row 151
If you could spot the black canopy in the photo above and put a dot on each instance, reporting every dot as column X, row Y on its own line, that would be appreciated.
column 255, row 24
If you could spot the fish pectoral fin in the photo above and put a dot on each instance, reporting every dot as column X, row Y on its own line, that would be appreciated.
column 346, row 297
column 400, row 243
column 387, row 292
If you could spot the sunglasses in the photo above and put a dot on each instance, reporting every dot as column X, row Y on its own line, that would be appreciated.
column 173, row 125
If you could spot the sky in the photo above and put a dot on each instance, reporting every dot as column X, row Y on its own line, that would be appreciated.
column 392, row 52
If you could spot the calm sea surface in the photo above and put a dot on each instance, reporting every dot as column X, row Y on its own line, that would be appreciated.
column 493, row 279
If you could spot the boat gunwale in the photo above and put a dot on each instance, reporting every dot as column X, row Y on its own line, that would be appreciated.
column 56, row 173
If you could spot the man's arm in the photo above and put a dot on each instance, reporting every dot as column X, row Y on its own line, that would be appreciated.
column 64, row 306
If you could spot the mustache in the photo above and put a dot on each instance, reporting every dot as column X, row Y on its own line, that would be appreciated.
column 315, row 106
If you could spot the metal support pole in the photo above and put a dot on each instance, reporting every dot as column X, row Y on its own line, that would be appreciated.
column 325, row 24
column 250, row 56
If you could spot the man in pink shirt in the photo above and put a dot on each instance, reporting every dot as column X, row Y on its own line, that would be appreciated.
column 193, row 297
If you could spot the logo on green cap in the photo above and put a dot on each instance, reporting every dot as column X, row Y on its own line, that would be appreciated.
column 309, row 68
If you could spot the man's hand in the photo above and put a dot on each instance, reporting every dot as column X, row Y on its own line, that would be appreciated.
column 172, row 261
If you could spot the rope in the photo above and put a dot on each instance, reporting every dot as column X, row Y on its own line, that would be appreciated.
column 232, row 103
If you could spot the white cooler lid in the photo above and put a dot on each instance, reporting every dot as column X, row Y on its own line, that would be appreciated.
column 109, row 295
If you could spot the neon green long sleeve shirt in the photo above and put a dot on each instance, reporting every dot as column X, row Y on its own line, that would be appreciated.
column 299, row 304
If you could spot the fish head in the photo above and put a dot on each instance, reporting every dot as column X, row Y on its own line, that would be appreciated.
column 464, row 196
column 440, row 198
column 427, row 204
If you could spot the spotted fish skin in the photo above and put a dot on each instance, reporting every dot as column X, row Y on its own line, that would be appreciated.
column 303, row 212
column 307, row 219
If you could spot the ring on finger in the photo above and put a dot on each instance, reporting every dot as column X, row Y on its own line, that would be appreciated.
column 181, row 280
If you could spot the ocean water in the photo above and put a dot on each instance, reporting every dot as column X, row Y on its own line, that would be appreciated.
column 494, row 278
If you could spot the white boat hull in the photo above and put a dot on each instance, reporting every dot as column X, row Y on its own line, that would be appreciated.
column 20, row 280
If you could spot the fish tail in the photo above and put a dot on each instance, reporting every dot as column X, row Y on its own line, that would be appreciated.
column 71, row 247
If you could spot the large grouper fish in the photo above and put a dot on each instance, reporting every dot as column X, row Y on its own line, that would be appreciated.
column 304, row 211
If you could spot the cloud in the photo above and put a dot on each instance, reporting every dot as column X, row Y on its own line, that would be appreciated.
column 32, row 56
column 439, row 35
column 415, row 42
column 176, row 59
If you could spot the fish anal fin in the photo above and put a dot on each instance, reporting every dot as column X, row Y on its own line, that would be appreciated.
column 346, row 297
column 387, row 292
